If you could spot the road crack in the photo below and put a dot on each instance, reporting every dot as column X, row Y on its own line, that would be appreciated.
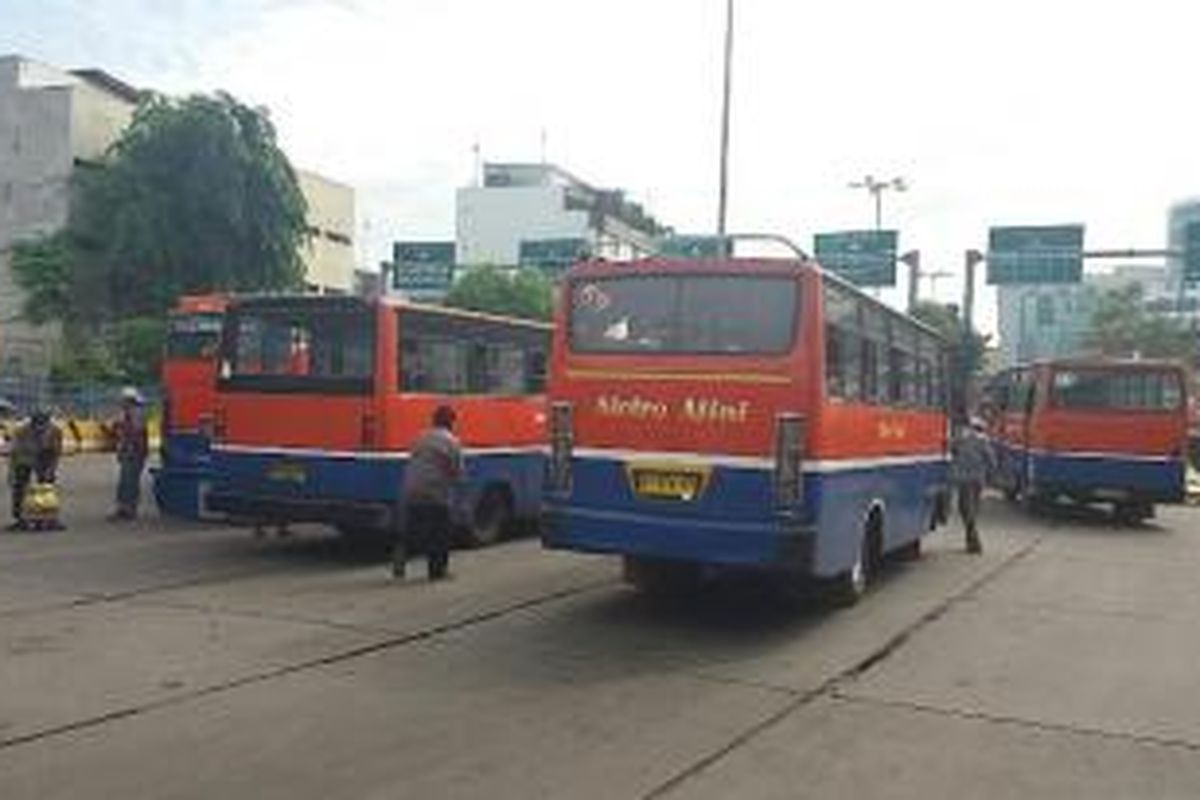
column 830, row 686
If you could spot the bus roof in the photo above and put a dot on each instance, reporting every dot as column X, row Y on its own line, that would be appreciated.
column 1100, row 362
column 751, row 266
column 312, row 301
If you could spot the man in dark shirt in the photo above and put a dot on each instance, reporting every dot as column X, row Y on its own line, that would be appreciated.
column 133, row 445
column 36, row 448
column 434, row 466
column 972, row 461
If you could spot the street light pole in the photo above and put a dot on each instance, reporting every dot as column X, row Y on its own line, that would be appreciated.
column 877, row 187
column 722, row 200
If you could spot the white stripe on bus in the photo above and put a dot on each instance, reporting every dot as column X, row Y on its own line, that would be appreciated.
column 369, row 455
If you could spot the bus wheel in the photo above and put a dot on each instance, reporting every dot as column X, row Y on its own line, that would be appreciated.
column 493, row 514
column 1132, row 513
column 849, row 587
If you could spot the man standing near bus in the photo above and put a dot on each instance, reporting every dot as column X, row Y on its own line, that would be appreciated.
column 133, row 446
column 972, row 460
column 434, row 465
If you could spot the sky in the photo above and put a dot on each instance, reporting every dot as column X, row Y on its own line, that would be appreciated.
column 995, row 113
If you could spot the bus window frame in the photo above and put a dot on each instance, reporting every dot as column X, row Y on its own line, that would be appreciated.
column 1054, row 401
column 795, row 280
column 469, row 334
column 228, row 381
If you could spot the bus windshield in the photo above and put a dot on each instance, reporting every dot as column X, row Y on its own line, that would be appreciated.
column 1137, row 390
column 193, row 335
column 303, row 347
column 697, row 314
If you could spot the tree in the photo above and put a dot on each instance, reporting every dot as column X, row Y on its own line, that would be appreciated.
column 522, row 293
column 1122, row 327
column 42, row 267
column 945, row 319
column 194, row 197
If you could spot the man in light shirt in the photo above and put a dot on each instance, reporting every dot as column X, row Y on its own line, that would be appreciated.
column 434, row 466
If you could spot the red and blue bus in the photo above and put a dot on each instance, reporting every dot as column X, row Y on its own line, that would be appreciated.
column 745, row 413
column 1091, row 430
column 319, row 398
column 189, row 371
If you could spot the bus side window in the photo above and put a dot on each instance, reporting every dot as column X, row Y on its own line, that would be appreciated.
column 875, row 368
column 535, row 371
column 842, row 348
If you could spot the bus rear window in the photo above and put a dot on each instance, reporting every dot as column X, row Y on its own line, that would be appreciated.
column 1132, row 390
column 193, row 335
column 303, row 350
column 749, row 314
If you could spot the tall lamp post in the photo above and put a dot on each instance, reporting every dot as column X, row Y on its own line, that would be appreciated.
column 724, row 181
column 876, row 188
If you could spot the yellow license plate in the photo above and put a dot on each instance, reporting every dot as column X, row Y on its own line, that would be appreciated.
column 662, row 484
column 287, row 472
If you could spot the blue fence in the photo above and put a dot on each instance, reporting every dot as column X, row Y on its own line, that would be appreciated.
column 19, row 395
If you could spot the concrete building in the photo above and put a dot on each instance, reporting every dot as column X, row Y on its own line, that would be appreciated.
column 543, row 203
column 329, row 256
column 1178, row 218
column 53, row 120
column 1051, row 320
column 50, row 121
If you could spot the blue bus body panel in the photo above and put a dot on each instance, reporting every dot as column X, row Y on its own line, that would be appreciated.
column 1094, row 474
column 735, row 522
column 310, row 476
column 1159, row 479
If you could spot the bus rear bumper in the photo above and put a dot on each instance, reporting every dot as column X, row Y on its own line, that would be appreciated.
column 268, row 508
column 770, row 545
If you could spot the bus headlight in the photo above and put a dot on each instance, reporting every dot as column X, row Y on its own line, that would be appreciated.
column 789, row 460
column 558, row 467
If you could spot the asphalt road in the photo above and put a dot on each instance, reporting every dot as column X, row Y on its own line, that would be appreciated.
column 170, row 660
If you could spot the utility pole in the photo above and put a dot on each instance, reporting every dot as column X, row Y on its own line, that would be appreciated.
column 913, row 259
column 972, row 259
column 876, row 188
column 722, row 199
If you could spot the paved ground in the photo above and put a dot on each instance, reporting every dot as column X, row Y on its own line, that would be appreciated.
column 189, row 661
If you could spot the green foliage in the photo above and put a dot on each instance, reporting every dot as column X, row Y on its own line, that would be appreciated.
column 42, row 268
column 1122, row 327
column 524, row 293
column 194, row 197
column 83, row 360
column 945, row 319
column 137, row 347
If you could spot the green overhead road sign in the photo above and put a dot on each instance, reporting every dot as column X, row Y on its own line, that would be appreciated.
column 690, row 246
column 864, row 258
column 1035, row 254
column 423, row 270
column 1191, row 253
column 552, row 256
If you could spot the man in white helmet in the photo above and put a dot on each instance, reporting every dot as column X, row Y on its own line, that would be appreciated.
column 133, row 446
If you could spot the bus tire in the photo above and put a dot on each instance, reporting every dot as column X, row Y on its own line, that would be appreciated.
column 491, row 518
column 1132, row 513
column 849, row 587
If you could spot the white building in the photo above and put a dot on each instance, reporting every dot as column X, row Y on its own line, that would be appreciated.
column 50, row 121
column 544, row 203
column 53, row 120
column 1052, row 320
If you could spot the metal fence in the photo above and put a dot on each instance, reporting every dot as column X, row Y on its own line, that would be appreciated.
column 19, row 395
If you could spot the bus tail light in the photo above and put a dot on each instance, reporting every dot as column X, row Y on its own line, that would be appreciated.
column 789, row 460
column 558, row 468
